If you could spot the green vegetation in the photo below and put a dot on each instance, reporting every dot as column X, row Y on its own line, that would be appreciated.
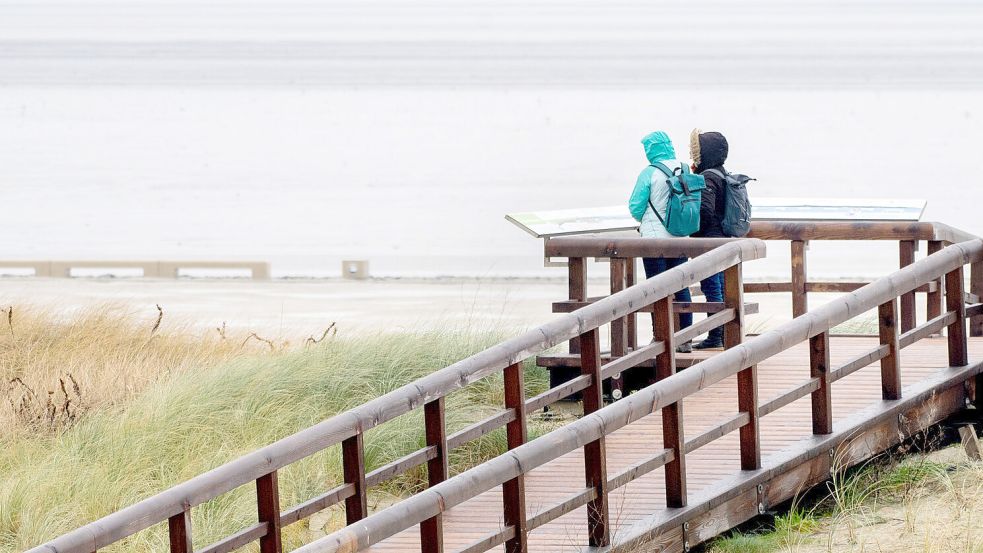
column 174, row 405
column 926, row 502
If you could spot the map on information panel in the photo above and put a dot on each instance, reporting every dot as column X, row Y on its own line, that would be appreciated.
column 545, row 224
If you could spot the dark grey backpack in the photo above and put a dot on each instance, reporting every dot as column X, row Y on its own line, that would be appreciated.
column 737, row 206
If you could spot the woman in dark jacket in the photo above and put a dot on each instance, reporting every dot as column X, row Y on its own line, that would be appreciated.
column 708, row 150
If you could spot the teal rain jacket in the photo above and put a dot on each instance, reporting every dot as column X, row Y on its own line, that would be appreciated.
column 658, row 148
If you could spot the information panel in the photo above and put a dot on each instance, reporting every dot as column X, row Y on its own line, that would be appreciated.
column 546, row 224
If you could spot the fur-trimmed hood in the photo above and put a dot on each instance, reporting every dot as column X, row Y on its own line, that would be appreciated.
column 708, row 150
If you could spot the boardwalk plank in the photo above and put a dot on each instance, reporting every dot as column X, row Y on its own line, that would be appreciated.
column 558, row 480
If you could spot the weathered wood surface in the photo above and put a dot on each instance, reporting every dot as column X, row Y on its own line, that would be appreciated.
column 971, row 443
column 161, row 507
column 644, row 497
column 672, row 390
column 677, row 307
column 268, row 507
column 800, row 297
column 592, row 431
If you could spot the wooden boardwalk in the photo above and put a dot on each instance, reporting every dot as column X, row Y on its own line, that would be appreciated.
column 551, row 484
column 737, row 433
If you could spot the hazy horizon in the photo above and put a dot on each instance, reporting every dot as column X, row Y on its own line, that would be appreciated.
column 402, row 132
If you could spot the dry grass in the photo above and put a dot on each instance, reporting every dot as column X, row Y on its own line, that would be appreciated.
column 922, row 503
column 52, row 372
column 155, row 409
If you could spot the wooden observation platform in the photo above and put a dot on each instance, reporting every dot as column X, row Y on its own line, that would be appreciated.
column 692, row 453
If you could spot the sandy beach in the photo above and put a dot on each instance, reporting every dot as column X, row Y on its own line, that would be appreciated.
column 293, row 309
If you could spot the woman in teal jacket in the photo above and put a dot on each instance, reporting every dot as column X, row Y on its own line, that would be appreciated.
column 651, row 190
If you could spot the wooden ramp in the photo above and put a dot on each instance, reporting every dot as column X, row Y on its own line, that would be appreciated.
column 644, row 499
column 719, row 441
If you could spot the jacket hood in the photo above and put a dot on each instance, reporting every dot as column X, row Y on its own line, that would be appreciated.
column 708, row 150
column 658, row 147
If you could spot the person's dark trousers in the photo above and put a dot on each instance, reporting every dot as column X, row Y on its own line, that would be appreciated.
column 713, row 290
column 657, row 265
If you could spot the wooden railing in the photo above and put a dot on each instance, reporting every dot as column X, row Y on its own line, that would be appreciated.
column 741, row 359
column 623, row 253
column 348, row 430
column 907, row 235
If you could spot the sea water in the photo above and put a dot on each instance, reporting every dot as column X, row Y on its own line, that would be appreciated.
column 403, row 132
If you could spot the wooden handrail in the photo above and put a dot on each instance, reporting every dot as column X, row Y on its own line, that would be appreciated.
column 799, row 233
column 261, row 465
column 947, row 263
column 425, row 508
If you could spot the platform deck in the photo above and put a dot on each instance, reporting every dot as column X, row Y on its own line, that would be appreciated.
column 550, row 484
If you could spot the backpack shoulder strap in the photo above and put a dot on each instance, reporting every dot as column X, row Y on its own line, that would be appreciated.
column 662, row 167
column 717, row 172
column 656, row 211
column 665, row 170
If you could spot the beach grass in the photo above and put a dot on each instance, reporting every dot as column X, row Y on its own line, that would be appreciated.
column 159, row 408
column 919, row 502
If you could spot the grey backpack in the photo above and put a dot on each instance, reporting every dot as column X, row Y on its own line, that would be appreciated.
column 737, row 206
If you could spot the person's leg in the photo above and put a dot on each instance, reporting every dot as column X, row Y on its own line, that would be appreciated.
column 653, row 266
column 713, row 290
column 685, row 319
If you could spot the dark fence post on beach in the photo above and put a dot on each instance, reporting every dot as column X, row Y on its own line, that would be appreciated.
column 933, row 299
column 672, row 415
column 577, row 288
column 822, row 399
column 598, row 528
column 619, row 328
column 907, row 249
column 955, row 302
column 747, row 379
column 353, row 467
column 514, row 491
column 800, row 299
column 432, row 529
column 888, row 330
column 268, row 505
column 179, row 530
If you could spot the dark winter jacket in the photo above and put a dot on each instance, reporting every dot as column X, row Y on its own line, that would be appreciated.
column 708, row 150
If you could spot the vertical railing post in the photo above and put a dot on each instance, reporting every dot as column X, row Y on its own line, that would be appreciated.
column 577, row 290
column 432, row 529
column 800, row 297
column 514, row 491
column 955, row 301
column 933, row 300
column 268, row 506
column 891, row 364
column 179, row 530
column 747, row 379
column 822, row 399
column 598, row 528
column 672, row 415
column 353, row 468
column 619, row 328
column 976, row 288
column 975, row 325
column 907, row 249
column 633, row 317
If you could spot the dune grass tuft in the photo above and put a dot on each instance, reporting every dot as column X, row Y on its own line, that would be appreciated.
column 923, row 502
column 164, row 416
column 54, row 369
